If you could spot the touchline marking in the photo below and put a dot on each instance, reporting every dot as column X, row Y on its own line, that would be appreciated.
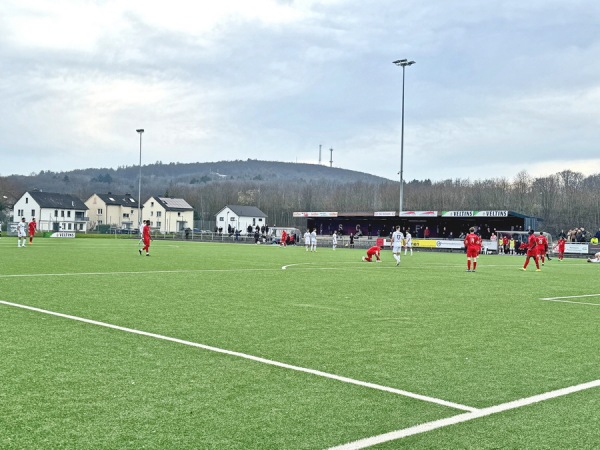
column 571, row 296
column 567, row 301
column 250, row 357
column 139, row 272
column 465, row 417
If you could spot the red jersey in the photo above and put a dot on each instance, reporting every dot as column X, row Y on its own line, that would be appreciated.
column 531, row 245
column 542, row 244
column 373, row 250
column 561, row 245
column 472, row 240
column 146, row 232
column 32, row 228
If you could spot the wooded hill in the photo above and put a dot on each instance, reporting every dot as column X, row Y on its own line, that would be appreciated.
column 564, row 200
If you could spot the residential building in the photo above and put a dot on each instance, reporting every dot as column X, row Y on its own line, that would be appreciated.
column 52, row 211
column 168, row 215
column 238, row 217
column 116, row 210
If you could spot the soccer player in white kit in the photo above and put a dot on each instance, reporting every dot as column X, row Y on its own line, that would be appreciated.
column 313, row 240
column 22, row 233
column 397, row 238
column 334, row 239
column 408, row 242
column 307, row 239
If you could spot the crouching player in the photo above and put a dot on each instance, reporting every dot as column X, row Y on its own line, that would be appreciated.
column 595, row 259
column 375, row 250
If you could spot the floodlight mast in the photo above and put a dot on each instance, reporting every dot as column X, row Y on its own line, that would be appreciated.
column 140, row 131
column 402, row 63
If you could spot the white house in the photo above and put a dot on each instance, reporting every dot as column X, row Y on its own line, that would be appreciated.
column 168, row 215
column 116, row 210
column 237, row 217
column 53, row 212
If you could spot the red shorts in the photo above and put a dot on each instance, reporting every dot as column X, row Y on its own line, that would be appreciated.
column 532, row 252
column 472, row 252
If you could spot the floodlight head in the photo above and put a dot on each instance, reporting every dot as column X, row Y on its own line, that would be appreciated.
column 404, row 62
column 400, row 61
column 141, row 130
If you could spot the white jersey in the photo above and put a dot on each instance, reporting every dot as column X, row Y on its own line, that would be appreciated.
column 21, row 229
column 334, row 238
column 397, row 238
column 313, row 238
column 307, row 238
column 408, row 240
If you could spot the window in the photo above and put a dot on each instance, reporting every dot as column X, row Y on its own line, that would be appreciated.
column 178, row 214
column 151, row 213
column 62, row 213
column 20, row 213
column 159, row 224
column 151, row 203
column 68, row 213
column 99, row 211
column 26, row 200
column 69, row 226
column 56, row 213
column 99, row 222
column 221, row 219
column 125, row 216
column 33, row 213
column 81, row 226
column 158, row 213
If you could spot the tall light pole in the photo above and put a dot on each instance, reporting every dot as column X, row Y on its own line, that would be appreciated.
column 402, row 63
column 140, row 131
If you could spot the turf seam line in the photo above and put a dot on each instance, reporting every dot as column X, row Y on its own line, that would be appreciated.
column 570, row 296
column 250, row 357
column 465, row 417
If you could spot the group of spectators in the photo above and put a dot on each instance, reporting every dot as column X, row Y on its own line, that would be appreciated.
column 580, row 235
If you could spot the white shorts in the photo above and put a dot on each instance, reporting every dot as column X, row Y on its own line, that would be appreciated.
column 397, row 248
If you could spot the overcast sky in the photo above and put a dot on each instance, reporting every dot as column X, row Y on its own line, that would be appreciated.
column 498, row 87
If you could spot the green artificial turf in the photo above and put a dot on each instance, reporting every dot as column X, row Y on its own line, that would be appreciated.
column 427, row 327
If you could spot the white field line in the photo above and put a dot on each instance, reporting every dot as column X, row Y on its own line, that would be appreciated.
column 250, row 357
column 568, row 301
column 138, row 272
column 570, row 296
column 465, row 417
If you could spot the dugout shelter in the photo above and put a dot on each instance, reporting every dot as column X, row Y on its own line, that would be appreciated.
column 440, row 224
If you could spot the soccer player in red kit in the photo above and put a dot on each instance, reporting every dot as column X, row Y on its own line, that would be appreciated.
column 561, row 248
column 473, row 245
column 532, row 251
column 542, row 246
column 146, row 238
column 375, row 250
column 32, row 228
column 283, row 241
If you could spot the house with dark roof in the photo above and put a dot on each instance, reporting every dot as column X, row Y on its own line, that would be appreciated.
column 167, row 214
column 116, row 210
column 52, row 211
column 239, row 217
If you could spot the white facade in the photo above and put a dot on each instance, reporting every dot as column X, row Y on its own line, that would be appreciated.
column 53, row 212
column 240, row 218
column 168, row 215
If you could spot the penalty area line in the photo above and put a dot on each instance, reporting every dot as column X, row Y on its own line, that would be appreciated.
column 465, row 417
column 249, row 357
column 569, row 301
